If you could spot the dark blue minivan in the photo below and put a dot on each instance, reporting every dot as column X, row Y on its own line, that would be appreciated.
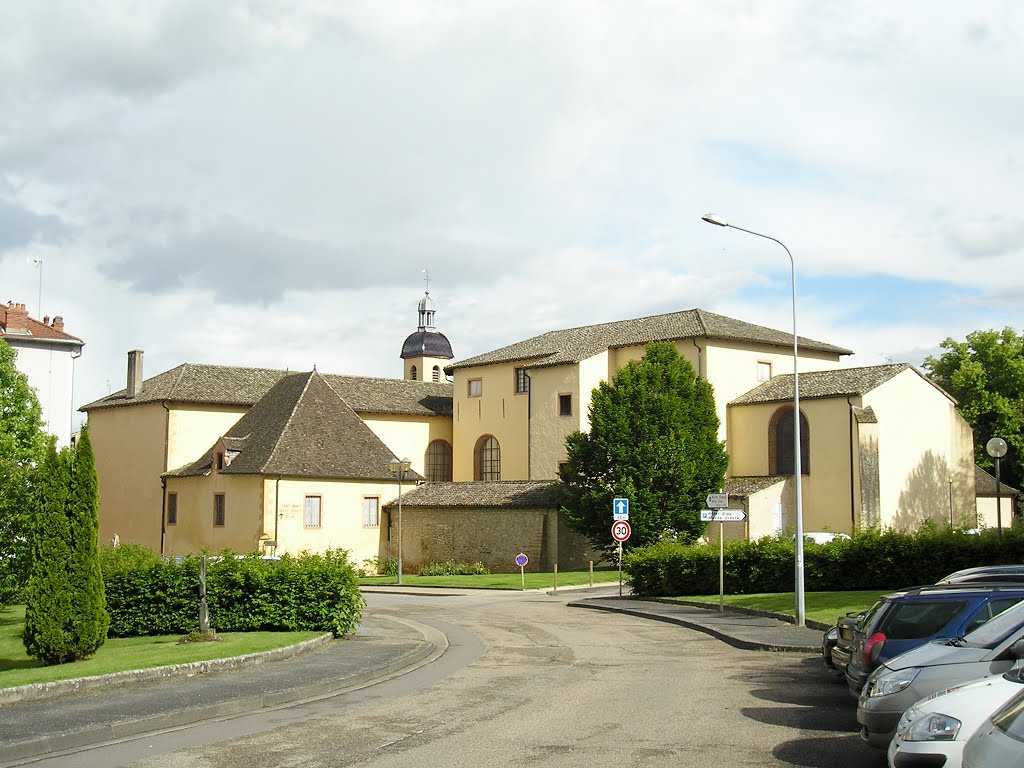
column 906, row 619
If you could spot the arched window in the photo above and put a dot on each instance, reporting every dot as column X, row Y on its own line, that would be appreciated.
column 780, row 443
column 412, row 372
column 487, row 459
column 438, row 462
column 437, row 374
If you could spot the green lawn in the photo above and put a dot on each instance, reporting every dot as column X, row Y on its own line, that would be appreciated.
column 818, row 606
column 121, row 654
column 534, row 580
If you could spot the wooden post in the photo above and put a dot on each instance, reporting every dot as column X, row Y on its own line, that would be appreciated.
column 556, row 577
column 591, row 573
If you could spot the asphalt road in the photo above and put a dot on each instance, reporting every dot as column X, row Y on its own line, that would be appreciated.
column 529, row 681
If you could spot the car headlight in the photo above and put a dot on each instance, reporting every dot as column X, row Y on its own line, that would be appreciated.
column 892, row 682
column 933, row 727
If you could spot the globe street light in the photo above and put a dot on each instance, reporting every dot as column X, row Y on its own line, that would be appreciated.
column 996, row 448
column 399, row 468
column 797, row 469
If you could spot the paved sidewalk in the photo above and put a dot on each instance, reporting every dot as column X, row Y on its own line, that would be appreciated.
column 61, row 721
column 741, row 629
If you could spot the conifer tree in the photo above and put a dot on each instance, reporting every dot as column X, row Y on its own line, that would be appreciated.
column 654, row 440
column 65, row 615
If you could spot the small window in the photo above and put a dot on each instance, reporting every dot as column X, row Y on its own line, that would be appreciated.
column 172, row 508
column 412, row 373
column 218, row 461
column 476, row 387
column 218, row 510
column 438, row 462
column 311, row 514
column 371, row 511
column 764, row 371
column 522, row 381
column 436, row 374
column 565, row 405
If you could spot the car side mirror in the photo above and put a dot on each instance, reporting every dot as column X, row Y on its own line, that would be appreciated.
column 1017, row 649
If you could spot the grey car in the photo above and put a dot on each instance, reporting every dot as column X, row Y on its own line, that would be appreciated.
column 991, row 649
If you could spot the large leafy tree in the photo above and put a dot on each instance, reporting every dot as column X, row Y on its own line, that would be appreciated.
column 65, row 613
column 23, row 444
column 985, row 374
column 654, row 440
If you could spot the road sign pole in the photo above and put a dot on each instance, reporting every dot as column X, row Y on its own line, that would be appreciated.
column 620, row 569
column 522, row 575
column 721, row 567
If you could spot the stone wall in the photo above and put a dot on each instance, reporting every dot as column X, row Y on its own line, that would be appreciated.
column 491, row 536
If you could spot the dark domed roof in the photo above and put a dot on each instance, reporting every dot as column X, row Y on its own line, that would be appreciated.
column 429, row 343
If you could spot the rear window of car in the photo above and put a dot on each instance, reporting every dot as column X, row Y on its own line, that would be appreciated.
column 913, row 620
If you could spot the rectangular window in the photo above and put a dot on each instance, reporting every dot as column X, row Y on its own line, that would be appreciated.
column 219, row 461
column 311, row 514
column 764, row 370
column 371, row 511
column 172, row 509
column 218, row 510
column 565, row 405
column 522, row 381
column 476, row 387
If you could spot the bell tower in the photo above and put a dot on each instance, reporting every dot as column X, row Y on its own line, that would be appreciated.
column 426, row 352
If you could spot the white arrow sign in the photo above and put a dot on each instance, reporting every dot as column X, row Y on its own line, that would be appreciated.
column 722, row 515
column 717, row 500
column 620, row 509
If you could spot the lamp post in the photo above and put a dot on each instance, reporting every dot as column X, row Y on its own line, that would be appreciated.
column 951, row 502
column 399, row 468
column 996, row 448
column 797, row 469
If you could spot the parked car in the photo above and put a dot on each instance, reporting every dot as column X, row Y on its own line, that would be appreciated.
column 934, row 730
column 992, row 649
column 822, row 537
column 903, row 620
column 998, row 741
column 985, row 573
column 845, row 629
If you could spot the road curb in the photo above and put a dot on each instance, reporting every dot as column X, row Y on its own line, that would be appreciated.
column 34, row 691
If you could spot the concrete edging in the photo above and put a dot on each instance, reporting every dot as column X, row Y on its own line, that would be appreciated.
column 60, row 687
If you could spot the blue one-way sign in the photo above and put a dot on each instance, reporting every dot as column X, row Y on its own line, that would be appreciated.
column 620, row 509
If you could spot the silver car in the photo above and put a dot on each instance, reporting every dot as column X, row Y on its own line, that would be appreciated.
column 999, row 742
column 991, row 649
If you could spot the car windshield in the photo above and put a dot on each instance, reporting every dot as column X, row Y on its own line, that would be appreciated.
column 996, row 630
column 1010, row 718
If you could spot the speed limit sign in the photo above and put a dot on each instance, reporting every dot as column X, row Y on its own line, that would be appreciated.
column 621, row 530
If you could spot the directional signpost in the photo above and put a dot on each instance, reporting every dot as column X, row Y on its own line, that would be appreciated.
column 718, row 514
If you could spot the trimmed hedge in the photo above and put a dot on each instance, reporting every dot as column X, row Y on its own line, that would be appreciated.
column 311, row 592
column 871, row 560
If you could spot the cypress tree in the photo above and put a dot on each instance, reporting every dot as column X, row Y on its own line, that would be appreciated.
column 65, row 615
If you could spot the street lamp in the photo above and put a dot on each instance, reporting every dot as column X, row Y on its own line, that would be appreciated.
column 996, row 448
column 399, row 468
column 797, row 469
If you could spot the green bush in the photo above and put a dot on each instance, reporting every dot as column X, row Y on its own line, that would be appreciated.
column 147, row 595
column 871, row 560
column 454, row 568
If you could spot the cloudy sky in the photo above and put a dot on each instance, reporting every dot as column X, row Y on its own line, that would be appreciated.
column 261, row 183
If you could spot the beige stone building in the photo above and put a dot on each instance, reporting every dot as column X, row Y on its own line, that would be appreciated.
column 256, row 459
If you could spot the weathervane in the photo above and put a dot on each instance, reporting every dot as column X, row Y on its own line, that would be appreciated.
column 427, row 278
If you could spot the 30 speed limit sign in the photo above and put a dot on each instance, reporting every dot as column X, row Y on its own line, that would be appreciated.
column 621, row 530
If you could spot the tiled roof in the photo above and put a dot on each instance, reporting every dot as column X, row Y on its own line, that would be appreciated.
column 742, row 487
column 508, row 494
column 35, row 331
column 230, row 385
column 842, row 382
column 985, row 485
column 302, row 428
column 577, row 344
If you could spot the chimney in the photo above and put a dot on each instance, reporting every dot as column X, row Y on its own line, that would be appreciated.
column 134, row 372
column 58, row 324
column 17, row 318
